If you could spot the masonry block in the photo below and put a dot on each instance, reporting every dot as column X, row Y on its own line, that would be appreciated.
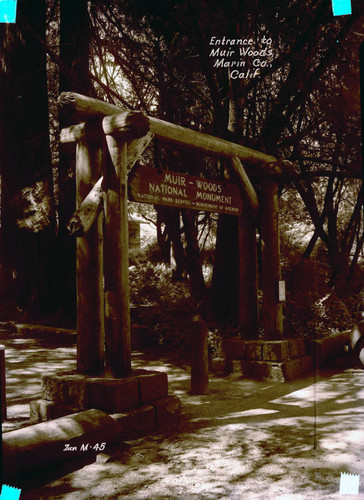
column 302, row 346
column 247, row 368
column 78, row 390
column 105, row 393
column 307, row 364
column 275, row 360
column 294, row 348
column 152, row 386
column 292, row 369
column 40, row 410
column 254, row 350
column 235, row 365
column 136, row 423
column 260, row 371
column 54, row 388
column 268, row 371
column 221, row 366
column 276, row 373
column 275, row 350
column 167, row 410
column 114, row 394
column 234, row 348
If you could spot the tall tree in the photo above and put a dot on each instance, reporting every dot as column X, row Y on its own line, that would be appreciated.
column 288, row 110
column 27, row 215
column 74, row 76
column 157, row 57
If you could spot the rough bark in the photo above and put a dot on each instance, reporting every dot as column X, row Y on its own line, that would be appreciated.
column 193, row 258
column 225, row 280
column 28, row 275
column 74, row 76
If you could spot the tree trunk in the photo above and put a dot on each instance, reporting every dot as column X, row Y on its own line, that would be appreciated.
column 225, row 279
column 193, row 258
column 248, row 278
column 163, row 238
column 74, row 54
column 271, row 271
column 27, row 242
column 75, row 47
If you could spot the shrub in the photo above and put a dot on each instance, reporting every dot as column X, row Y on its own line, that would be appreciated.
column 312, row 309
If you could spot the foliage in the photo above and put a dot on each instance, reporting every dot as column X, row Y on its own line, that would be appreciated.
column 312, row 308
column 151, row 281
column 290, row 111
column 170, row 309
column 154, row 56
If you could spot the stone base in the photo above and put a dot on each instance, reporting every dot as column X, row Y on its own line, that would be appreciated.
column 220, row 366
column 105, row 393
column 278, row 360
column 139, row 402
column 41, row 410
column 132, row 424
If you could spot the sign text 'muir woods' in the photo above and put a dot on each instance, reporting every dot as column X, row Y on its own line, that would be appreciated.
column 148, row 185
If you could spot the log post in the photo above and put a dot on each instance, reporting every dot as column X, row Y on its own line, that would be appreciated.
column 199, row 366
column 248, row 277
column 247, row 190
column 90, row 335
column 86, row 214
column 118, row 130
column 116, row 261
column 271, row 270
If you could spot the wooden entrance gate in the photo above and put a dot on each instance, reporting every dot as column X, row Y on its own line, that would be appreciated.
column 108, row 142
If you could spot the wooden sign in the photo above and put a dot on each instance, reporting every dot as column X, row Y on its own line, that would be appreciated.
column 148, row 185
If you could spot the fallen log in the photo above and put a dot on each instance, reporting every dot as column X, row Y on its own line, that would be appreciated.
column 330, row 347
column 356, row 344
column 35, row 448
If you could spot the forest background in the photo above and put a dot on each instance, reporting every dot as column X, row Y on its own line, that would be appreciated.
column 304, row 106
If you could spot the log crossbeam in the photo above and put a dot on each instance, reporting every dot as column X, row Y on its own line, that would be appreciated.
column 119, row 123
column 80, row 107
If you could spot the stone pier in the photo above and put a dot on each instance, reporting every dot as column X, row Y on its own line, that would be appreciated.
column 276, row 360
column 140, row 403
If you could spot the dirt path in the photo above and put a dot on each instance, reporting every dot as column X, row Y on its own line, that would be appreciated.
column 244, row 440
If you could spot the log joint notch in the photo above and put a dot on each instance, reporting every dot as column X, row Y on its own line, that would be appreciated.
column 126, row 125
